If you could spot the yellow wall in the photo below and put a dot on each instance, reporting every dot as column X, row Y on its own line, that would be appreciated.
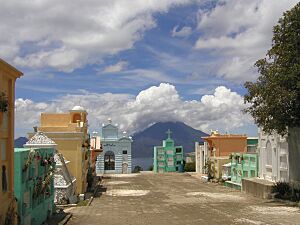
column 8, row 76
column 64, row 130
column 217, row 163
column 55, row 120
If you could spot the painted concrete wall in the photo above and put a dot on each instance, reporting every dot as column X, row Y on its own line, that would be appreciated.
column 168, row 157
column 252, row 143
column 117, row 147
column 64, row 182
column 201, row 151
column 217, row 163
column 273, row 157
column 8, row 76
column 70, row 135
column 112, row 142
column 243, row 166
column 224, row 145
column 35, row 200
column 294, row 154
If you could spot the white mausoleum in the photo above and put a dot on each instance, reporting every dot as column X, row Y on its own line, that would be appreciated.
column 273, row 157
column 201, row 156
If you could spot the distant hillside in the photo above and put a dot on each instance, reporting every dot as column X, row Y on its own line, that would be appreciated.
column 183, row 134
column 19, row 142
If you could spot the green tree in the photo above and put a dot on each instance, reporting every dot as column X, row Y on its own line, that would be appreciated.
column 275, row 97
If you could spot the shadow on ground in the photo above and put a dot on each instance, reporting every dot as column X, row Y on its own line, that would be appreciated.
column 58, row 216
column 101, row 189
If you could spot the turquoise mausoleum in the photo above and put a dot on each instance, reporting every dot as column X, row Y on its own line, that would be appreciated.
column 168, row 157
column 33, row 184
column 244, row 165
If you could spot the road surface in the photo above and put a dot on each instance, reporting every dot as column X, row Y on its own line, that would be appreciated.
column 167, row 199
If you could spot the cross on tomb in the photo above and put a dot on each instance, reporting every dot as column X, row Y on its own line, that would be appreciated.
column 169, row 132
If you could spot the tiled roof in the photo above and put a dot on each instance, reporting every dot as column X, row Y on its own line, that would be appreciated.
column 39, row 139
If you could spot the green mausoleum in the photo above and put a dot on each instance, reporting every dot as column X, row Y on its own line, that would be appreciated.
column 33, row 184
column 168, row 157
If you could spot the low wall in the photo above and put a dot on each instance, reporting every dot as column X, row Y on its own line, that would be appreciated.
column 257, row 187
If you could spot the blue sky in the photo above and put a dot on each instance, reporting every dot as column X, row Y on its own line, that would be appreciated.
column 154, row 52
column 130, row 59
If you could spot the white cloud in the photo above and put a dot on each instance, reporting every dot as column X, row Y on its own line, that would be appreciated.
column 162, row 103
column 201, row 91
column 183, row 32
column 240, row 32
column 147, row 75
column 72, row 34
column 118, row 67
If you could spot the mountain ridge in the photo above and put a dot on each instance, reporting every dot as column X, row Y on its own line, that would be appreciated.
column 182, row 134
column 20, row 141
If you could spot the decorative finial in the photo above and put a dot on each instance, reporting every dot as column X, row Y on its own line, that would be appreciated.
column 109, row 120
column 169, row 132
column 35, row 129
column 95, row 133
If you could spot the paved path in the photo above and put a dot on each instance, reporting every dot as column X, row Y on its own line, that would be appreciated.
column 167, row 199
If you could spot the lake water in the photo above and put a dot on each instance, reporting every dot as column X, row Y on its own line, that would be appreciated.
column 145, row 163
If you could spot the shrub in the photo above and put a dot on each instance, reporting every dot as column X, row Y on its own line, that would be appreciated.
column 210, row 169
column 150, row 168
column 190, row 167
column 137, row 169
column 282, row 189
column 296, row 195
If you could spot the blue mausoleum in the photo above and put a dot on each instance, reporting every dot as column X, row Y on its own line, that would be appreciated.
column 116, row 155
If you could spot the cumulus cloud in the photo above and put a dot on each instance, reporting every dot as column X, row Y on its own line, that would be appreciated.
column 162, row 103
column 183, row 32
column 72, row 34
column 118, row 67
column 240, row 32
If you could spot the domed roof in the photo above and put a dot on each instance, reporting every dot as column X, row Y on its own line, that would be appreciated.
column 78, row 108
column 40, row 140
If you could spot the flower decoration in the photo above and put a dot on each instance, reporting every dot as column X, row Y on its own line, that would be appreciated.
column 3, row 102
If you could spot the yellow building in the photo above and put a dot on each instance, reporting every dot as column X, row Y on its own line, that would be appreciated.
column 8, row 76
column 69, row 132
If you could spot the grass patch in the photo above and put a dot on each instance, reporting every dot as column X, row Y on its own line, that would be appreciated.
column 83, row 203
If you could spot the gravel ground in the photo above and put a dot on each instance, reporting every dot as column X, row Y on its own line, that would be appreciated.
column 167, row 199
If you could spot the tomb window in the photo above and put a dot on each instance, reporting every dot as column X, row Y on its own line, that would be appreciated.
column 171, row 159
column 171, row 163
column 170, row 152
column 178, row 150
column 269, row 154
column 4, row 179
column 109, row 161
column 76, row 117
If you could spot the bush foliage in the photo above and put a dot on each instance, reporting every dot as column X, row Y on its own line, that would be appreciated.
column 190, row 167
column 284, row 190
